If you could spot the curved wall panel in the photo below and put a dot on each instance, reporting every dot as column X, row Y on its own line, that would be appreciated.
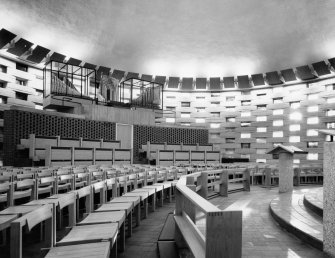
column 249, row 123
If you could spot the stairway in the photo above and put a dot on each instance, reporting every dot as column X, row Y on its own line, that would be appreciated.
column 296, row 213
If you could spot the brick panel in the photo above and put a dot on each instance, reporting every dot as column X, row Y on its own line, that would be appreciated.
column 19, row 124
column 143, row 134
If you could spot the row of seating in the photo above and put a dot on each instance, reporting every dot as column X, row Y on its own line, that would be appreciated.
column 151, row 148
column 18, row 184
column 104, row 221
column 38, row 145
column 263, row 174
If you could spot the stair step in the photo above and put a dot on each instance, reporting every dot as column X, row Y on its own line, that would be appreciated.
column 313, row 200
column 289, row 211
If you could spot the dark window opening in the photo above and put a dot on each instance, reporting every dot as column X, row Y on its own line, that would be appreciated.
column 22, row 67
column 20, row 95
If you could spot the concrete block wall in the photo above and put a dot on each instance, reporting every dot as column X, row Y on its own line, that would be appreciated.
column 249, row 123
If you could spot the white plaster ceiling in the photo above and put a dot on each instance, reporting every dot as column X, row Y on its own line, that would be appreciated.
column 187, row 38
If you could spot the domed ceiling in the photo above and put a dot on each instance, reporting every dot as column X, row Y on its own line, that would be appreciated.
column 187, row 38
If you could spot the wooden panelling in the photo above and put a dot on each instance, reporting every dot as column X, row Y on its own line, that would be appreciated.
column 102, row 154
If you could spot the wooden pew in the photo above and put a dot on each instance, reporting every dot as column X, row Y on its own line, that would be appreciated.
column 21, row 189
column 126, row 207
column 220, row 177
column 94, row 233
column 45, row 184
column 84, row 192
column 81, row 180
column 158, row 193
column 5, row 182
column 124, row 184
column 65, row 182
column 5, row 221
column 167, row 190
column 134, row 200
column 101, row 189
column 96, row 250
column 29, row 221
column 108, row 217
column 60, row 201
column 223, row 232
column 143, row 197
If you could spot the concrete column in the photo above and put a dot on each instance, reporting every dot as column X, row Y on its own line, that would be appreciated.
column 267, row 172
column 329, row 198
column 285, row 172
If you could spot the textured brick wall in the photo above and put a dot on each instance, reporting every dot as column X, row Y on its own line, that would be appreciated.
column 143, row 134
column 19, row 124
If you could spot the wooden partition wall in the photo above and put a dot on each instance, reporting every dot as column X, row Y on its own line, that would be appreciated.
column 175, row 157
column 151, row 148
column 38, row 144
column 74, row 156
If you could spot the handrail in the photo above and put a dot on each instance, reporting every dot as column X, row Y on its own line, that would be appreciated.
column 201, row 203
column 223, row 232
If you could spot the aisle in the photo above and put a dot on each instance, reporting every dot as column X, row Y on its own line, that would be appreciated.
column 143, row 242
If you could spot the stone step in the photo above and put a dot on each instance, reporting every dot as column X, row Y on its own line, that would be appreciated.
column 290, row 212
column 313, row 200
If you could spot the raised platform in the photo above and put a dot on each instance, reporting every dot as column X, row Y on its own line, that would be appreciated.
column 290, row 212
column 313, row 200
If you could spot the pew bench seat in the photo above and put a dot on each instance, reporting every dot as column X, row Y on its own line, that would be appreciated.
column 96, row 250
column 108, row 217
column 121, row 206
column 92, row 234
column 127, row 207
column 159, row 190
column 135, row 200
column 143, row 197
column 167, row 187
column 19, row 210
